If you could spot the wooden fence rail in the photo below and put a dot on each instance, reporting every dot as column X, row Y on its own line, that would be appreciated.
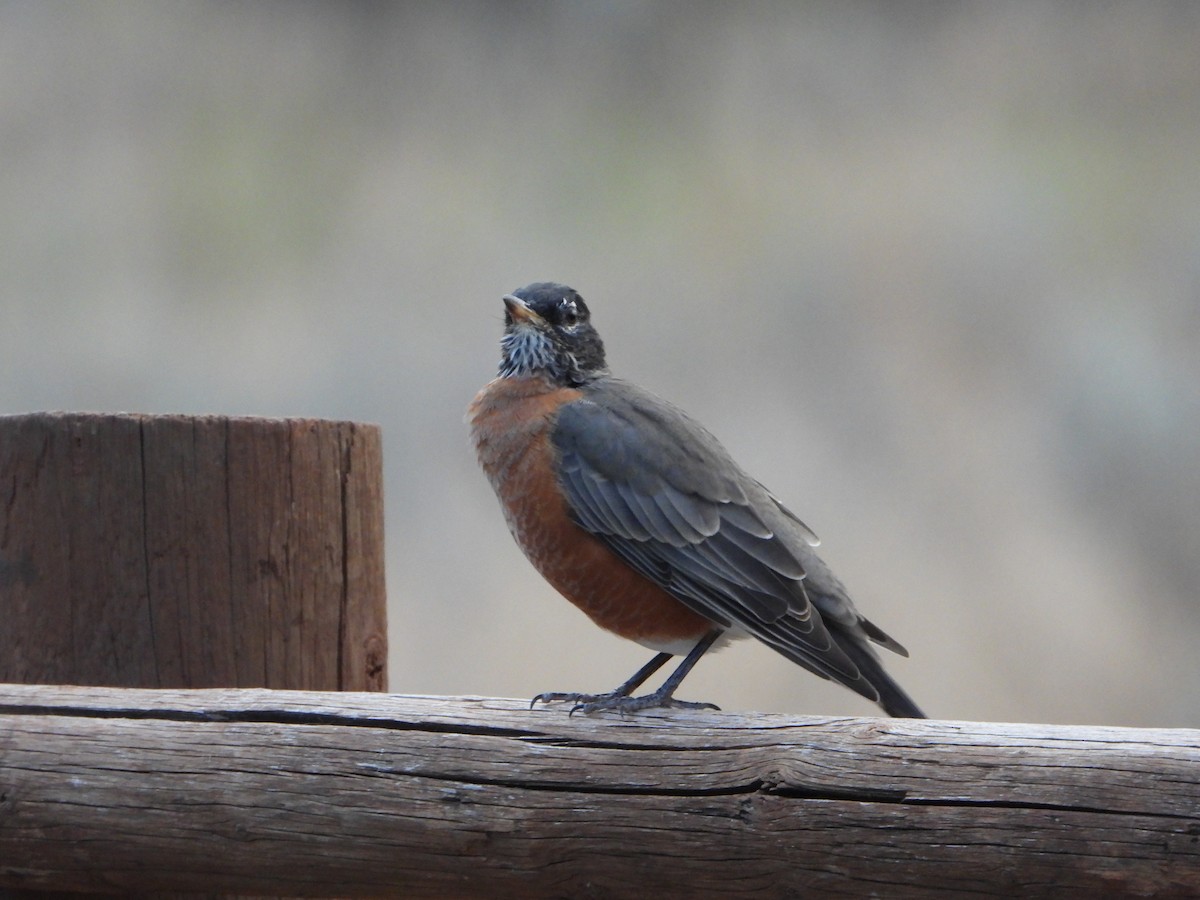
column 352, row 794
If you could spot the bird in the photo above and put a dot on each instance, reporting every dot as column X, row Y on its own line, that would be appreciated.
column 637, row 514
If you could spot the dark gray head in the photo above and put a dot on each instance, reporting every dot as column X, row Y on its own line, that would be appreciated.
column 548, row 331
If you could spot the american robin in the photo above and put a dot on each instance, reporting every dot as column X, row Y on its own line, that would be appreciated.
column 637, row 515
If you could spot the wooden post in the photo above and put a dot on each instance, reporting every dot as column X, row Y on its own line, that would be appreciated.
column 191, row 551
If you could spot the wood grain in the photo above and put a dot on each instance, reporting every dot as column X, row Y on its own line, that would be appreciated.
column 191, row 551
column 251, row 791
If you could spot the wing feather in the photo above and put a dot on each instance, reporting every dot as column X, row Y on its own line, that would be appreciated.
column 700, row 513
column 661, row 528
column 767, row 551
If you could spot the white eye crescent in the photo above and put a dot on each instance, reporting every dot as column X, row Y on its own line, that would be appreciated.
column 570, row 313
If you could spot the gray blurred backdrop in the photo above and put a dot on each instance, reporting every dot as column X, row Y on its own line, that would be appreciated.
column 930, row 270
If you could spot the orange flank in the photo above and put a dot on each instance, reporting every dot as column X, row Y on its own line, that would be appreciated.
column 511, row 420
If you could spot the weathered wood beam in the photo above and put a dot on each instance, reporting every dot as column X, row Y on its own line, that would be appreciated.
column 351, row 794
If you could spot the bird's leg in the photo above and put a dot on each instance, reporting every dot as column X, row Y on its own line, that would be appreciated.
column 620, row 699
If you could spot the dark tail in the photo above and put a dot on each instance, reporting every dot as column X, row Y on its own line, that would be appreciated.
column 891, row 696
column 893, row 699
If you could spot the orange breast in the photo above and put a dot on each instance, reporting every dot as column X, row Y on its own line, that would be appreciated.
column 510, row 420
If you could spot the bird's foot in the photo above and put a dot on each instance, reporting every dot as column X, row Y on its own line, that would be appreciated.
column 619, row 702
column 624, row 704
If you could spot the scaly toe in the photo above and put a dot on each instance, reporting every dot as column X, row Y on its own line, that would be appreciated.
column 559, row 697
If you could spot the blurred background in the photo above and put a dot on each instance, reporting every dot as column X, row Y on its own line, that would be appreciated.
column 931, row 271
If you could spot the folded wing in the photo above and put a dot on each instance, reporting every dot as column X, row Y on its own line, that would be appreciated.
column 663, row 494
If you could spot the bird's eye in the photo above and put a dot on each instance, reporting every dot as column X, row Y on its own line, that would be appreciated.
column 569, row 314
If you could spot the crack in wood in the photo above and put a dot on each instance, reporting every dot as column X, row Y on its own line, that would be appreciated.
column 571, row 743
column 619, row 790
column 753, row 787
column 964, row 803
column 265, row 717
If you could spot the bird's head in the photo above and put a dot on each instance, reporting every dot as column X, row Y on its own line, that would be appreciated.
column 548, row 331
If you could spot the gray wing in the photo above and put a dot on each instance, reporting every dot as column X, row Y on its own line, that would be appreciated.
column 663, row 494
